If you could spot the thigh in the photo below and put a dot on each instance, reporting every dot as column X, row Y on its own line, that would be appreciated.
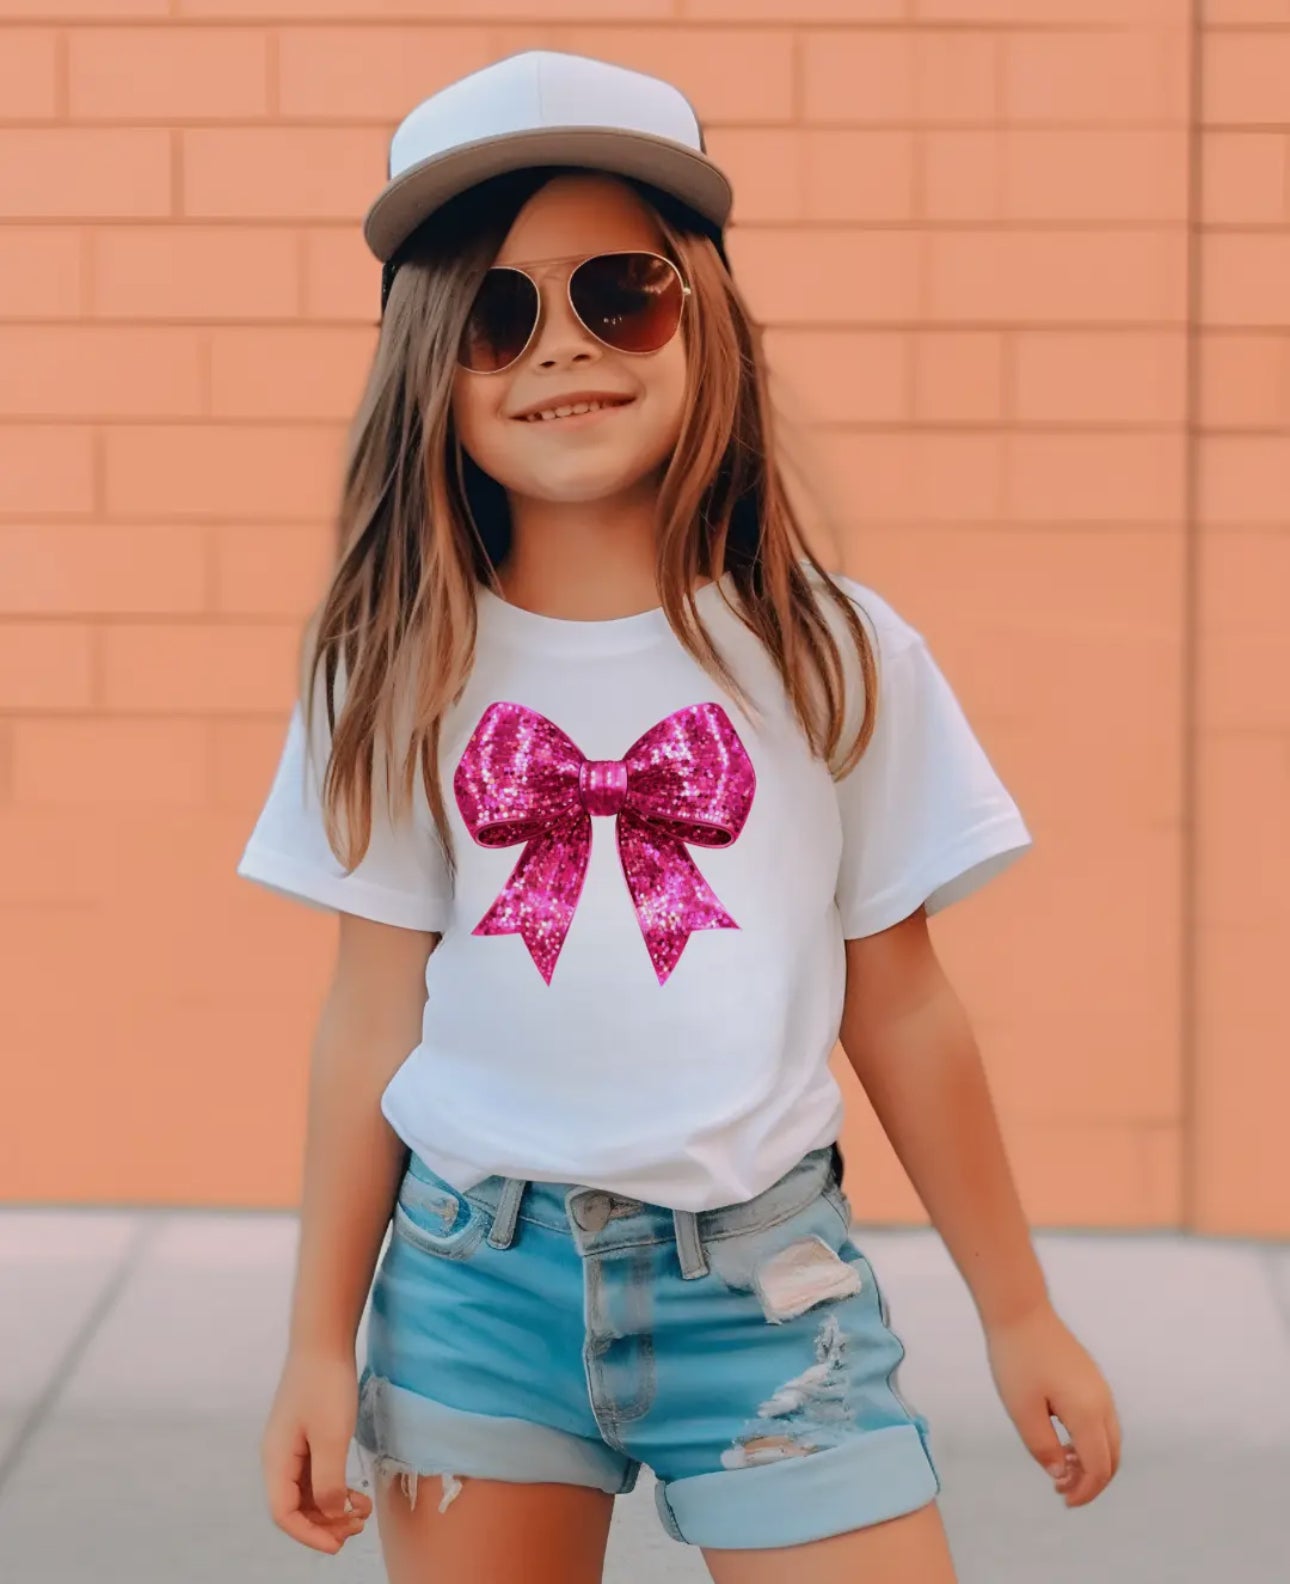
column 911, row 1549
column 494, row 1532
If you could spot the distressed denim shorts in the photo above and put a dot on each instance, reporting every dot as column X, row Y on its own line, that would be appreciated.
column 541, row 1331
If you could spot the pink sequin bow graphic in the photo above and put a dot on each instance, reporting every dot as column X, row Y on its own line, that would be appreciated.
column 686, row 780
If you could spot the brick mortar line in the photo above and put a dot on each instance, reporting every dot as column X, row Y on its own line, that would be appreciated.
column 1190, row 720
column 461, row 22
column 830, row 426
column 793, row 121
column 962, row 527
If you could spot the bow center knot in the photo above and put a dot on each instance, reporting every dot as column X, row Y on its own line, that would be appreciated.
column 602, row 785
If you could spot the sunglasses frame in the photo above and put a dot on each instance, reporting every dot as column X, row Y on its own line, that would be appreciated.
column 576, row 260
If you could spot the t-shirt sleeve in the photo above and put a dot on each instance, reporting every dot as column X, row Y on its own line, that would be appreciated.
column 925, row 818
column 401, row 879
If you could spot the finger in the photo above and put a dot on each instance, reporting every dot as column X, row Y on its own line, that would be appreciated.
column 1090, row 1437
column 1043, row 1442
column 1094, row 1467
column 310, row 1528
column 304, row 1524
column 359, row 1505
column 336, row 1528
column 282, row 1463
column 1071, row 1474
column 343, row 1529
column 1114, row 1429
column 1071, row 1470
column 309, row 1534
column 283, row 1469
column 324, row 1521
column 327, row 1476
column 1101, row 1438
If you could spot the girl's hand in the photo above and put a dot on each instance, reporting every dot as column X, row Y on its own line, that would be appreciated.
column 303, row 1452
column 1040, row 1369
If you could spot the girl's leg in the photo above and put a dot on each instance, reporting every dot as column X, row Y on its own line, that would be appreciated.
column 911, row 1549
column 494, row 1532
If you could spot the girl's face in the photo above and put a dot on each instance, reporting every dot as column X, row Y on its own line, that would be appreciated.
column 603, row 454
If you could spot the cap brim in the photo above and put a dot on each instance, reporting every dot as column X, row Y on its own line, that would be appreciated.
column 416, row 193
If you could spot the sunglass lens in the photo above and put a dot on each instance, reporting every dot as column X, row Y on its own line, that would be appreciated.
column 500, row 321
column 632, row 301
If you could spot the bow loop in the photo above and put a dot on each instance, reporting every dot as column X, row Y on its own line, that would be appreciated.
column 519, row 773
column 691, row 777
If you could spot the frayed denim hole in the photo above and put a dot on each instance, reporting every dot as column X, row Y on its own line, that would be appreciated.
column 736, row 1260
column 438, row 1198
column 810, row 1413
column 435, row 1210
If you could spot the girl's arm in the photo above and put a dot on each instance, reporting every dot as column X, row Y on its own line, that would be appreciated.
column 369, row 1023
column 907, row 1036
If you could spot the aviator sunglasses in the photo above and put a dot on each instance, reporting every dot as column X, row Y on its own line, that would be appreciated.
column 630, row 300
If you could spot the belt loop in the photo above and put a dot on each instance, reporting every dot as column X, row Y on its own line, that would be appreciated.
column 689, row 1245
column 508, row 1209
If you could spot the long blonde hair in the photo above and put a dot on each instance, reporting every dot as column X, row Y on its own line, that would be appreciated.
column 420, row 525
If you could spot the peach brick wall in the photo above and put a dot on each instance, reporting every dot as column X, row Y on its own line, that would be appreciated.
column 1027, row 263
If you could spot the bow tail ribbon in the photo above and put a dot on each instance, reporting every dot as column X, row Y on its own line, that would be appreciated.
column 671, row 897
column 538, row 900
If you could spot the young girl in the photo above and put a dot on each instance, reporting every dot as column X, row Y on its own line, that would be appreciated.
column 629, row 810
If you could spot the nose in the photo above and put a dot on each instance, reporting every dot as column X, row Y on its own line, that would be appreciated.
column 560, row 336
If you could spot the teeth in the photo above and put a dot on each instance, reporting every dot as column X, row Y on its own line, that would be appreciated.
column 549, row 413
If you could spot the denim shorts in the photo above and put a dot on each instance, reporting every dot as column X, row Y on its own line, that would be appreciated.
column 542, row 1331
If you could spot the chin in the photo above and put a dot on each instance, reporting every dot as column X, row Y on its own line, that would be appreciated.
column 577, row 490
column 585, row 483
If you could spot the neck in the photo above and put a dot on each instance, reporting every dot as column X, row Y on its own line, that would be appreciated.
column 583, row 560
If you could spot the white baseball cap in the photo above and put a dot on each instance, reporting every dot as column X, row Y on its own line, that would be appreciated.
column 543, row 107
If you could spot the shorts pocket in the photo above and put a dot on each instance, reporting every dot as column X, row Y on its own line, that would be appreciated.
column 435, row 1217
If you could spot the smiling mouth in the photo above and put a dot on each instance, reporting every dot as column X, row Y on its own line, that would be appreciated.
column 562, row 414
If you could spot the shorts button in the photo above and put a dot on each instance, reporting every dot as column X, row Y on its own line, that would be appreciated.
column 593, row 1212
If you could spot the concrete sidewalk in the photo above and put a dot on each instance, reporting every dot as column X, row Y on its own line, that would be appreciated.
column 139, row 1351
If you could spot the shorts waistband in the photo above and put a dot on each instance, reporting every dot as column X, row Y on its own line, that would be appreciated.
column 600, row 1220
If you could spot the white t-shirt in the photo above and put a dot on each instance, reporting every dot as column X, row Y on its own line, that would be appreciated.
column 641, row 972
